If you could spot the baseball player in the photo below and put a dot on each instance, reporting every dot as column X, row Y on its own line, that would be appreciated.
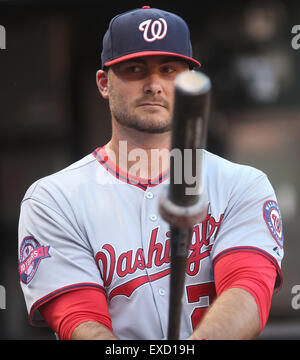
column 94, row 253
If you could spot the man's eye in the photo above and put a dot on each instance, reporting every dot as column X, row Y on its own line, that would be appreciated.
column 168, row 69
column 134, row 69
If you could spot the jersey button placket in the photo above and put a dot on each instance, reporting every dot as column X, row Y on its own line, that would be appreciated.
column 152, row 226
column 149, row 196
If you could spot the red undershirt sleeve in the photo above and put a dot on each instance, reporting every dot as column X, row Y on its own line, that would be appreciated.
column 249, row 271
column 65, row 312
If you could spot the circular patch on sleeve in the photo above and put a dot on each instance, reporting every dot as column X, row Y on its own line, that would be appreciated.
column 31, row 254
column 273, row 220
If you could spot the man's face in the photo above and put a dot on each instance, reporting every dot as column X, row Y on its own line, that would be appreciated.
column 141, row 92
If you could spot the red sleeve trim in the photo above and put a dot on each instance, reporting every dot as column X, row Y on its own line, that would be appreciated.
column 251, row 272
column 61, row 291
column 252, row 249
column 65, row 312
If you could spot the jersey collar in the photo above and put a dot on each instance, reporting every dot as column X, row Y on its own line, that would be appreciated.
column 101, row 155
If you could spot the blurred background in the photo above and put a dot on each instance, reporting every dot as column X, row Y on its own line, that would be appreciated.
column 51, row 113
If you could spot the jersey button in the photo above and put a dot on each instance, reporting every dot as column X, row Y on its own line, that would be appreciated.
column 153, row 217
column 149, row 195
column 161, row 291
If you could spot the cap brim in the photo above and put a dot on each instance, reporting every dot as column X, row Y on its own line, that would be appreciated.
column 190, row 60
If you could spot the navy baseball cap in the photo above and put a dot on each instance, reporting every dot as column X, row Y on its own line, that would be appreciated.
column 145, row 32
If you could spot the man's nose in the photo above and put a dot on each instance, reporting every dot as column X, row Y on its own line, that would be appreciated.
column 153, row 85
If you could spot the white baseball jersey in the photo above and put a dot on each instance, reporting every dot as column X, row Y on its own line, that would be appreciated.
column 91, row 225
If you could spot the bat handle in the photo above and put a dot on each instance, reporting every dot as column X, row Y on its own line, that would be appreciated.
column 179, row 249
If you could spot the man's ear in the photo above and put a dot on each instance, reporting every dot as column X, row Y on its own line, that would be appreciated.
column 102, row 83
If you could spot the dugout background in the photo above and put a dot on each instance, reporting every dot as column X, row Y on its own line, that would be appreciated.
column 52, row 115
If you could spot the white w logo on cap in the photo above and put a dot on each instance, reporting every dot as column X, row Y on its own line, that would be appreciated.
column 158, row 29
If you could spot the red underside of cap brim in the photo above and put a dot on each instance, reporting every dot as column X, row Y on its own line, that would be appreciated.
column 151, row 53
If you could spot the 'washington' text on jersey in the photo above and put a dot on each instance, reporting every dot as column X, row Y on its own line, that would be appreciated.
column 157, row 255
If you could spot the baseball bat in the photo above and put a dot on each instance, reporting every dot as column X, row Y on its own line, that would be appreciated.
column 184, row 204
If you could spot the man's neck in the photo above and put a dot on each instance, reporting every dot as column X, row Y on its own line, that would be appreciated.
column 140, row 154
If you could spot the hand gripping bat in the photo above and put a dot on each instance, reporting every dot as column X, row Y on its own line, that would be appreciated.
column 184, row 204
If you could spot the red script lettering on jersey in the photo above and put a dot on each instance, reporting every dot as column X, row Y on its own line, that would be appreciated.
column 158, row 254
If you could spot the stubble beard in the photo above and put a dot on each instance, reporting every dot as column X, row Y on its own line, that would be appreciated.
column 142, row 123
column 145, row 123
